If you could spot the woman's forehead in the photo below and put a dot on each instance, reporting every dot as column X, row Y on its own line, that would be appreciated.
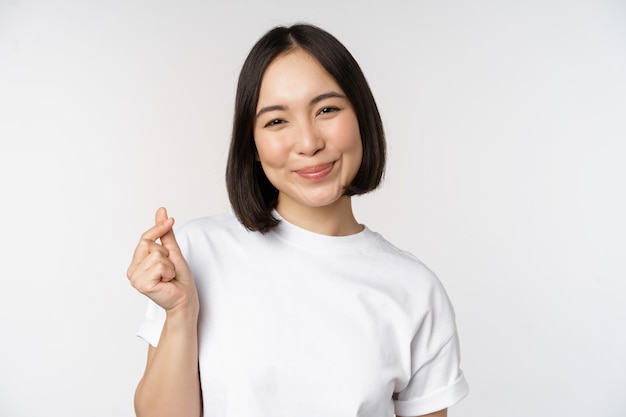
column 295, row 75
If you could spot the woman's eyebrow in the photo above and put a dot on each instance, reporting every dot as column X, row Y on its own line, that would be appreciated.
column 314, row 100
column 270, row 108
column 330, row 94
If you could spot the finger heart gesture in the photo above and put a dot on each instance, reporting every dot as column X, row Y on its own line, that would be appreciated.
column 159, row 270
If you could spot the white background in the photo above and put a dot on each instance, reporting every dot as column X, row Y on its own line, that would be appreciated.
column 507, row 140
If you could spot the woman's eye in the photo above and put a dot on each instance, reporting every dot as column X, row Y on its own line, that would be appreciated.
column 274, row 122
column 327, row 110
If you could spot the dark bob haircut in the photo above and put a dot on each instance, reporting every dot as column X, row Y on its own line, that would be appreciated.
column 251, row 194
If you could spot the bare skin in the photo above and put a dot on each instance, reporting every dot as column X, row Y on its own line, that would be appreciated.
column 170, row 385
column 440, row 413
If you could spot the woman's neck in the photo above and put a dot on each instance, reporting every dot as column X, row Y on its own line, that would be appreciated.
column 336, row 219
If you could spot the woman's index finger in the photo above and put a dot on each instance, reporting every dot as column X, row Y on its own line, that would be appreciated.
column 168, row 239
column 158, row 230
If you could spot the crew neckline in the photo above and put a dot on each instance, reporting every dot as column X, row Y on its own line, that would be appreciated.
column 317, row 242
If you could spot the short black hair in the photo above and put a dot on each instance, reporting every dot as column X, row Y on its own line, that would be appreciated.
column 251, row 194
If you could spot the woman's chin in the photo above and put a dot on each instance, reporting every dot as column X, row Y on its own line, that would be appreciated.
column 312, row 201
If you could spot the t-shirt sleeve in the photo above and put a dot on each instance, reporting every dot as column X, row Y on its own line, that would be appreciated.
column 150, row 329
column 437, row 381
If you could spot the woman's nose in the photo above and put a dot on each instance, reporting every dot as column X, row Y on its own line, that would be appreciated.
column 309, row 141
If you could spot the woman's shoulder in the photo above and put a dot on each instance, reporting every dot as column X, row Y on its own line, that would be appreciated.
column 389, row 250
column 211, row 227
column 214, row 220
column 402, row 264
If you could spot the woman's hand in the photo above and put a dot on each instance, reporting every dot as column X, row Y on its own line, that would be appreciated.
column 159, row 270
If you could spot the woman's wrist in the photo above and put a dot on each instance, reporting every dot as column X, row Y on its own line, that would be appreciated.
column 184, row 313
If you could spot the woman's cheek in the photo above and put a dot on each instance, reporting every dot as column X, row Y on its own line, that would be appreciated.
column 272, row 148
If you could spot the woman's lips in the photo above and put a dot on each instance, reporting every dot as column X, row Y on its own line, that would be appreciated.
column 316, row 172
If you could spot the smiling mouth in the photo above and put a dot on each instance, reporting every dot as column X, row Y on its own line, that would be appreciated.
column 316, row 172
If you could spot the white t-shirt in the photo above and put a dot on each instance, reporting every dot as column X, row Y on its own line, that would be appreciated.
column 293, row 323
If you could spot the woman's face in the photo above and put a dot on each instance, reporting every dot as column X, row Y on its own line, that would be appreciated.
column 306, row 133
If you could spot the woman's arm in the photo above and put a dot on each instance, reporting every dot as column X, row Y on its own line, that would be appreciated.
column 440, row 413
column 170, row 386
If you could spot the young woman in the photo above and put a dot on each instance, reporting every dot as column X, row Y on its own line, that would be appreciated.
column 289, row 306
